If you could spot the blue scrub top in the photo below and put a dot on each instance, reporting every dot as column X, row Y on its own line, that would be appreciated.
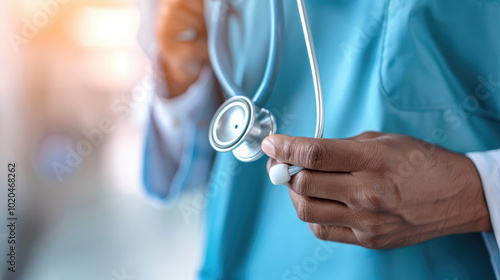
column 422, row 68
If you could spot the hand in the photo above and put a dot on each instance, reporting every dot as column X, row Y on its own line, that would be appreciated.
column 381, row 190
column 183, row 58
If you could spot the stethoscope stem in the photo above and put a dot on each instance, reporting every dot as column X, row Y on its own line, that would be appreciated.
column 293, row 170
column 318, row 90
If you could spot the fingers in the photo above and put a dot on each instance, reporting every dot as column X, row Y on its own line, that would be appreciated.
column 313, row 210
column 334, row 233
column 322, row 154
column 331, row 186
column 325, row 185
column 177, row 16
column 174, row 21
column 195, row 17
column 185, row 59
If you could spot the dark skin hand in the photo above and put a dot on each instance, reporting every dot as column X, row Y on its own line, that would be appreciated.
column 182, row 61
column 380, row 190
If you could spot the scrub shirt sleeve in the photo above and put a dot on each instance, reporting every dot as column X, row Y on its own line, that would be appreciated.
column 488, row 166
column 177, row 153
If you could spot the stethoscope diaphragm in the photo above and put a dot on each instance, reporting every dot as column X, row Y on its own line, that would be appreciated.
column 240, row 126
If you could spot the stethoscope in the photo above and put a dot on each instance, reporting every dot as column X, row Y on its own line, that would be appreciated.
column 240, row 124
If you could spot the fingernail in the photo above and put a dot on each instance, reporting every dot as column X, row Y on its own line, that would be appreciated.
column 268, row 147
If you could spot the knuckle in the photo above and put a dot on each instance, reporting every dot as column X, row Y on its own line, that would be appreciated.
column 393, row 199
column 369, row 134
column 371, row 239
column 370, row 200
column 385, row 148
column 377, row 153
column 303, row 210
column 314, row 155
column 353, row 200
column 372, row 242
column 373, row 228
column 302, row 183
column 320, row 232
column 288, row 149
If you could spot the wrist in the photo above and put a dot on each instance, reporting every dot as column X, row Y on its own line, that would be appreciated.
column 473, row 181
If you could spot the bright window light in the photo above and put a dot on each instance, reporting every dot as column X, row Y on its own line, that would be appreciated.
column 106, row 27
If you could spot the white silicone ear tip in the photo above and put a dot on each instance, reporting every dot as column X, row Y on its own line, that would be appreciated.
column 279, row 174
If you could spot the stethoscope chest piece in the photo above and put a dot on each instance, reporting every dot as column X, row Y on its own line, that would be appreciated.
column 240, row 126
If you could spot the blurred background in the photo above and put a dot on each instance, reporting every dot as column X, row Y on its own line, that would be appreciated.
column 75, row 88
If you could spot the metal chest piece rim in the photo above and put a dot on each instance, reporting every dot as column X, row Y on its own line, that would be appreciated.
column 240, row 126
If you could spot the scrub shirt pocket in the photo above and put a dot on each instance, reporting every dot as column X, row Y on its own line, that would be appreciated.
column 442, row 53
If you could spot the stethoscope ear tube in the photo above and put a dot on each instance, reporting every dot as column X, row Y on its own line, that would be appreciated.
column 220, row 62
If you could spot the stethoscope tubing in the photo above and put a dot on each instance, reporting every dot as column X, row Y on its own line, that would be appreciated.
column 220, row 65
column 318, row 89
column 313, row 61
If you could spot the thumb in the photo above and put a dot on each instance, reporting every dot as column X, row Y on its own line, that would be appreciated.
column 316, row 154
